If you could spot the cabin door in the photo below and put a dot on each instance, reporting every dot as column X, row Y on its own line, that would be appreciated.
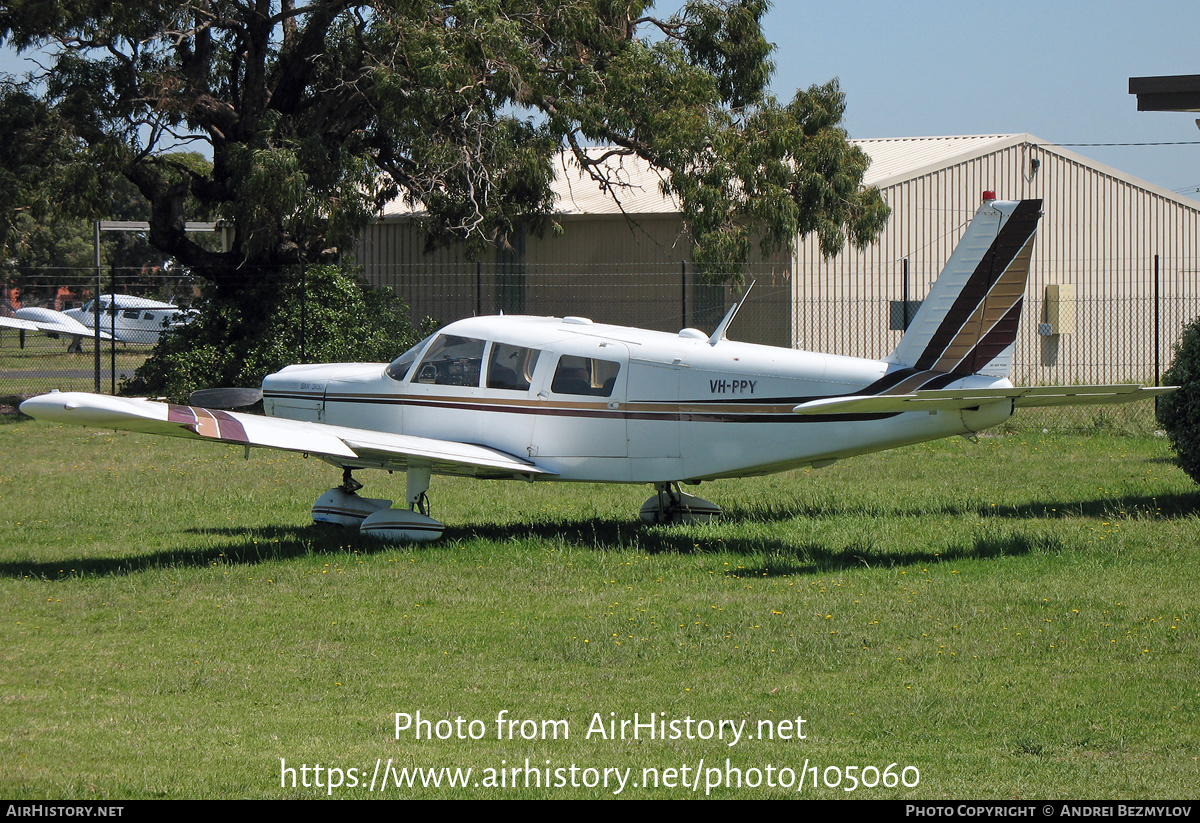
column 580, row 408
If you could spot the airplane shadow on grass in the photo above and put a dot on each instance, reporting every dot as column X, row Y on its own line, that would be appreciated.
column 772, row 557
column 1167, row 507
column 268, row 544
column 249, row 546
column 252, row 545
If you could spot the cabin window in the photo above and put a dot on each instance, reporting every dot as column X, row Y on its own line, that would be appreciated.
column 452, row 361
column 131, row 314
column 511, row 367
column 585, row 375
column 399, row 367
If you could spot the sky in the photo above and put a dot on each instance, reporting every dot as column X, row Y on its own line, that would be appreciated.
column 1057, row 70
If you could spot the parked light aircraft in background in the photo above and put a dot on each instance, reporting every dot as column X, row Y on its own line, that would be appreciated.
column 53, row 323
column 132, row 319
column 566, row 399
column 123, row 318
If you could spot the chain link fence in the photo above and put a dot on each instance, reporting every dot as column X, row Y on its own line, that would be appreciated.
column 58, row 307
column 1121, row 337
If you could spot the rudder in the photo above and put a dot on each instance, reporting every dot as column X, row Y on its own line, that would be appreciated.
column 968, row 323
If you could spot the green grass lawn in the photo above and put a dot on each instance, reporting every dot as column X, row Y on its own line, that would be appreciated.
column 1015, row 618
column 44, row 364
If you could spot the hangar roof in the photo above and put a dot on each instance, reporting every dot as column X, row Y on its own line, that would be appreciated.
column 893, row 159
column 902, row 157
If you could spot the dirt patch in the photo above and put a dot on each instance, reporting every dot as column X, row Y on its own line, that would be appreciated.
column 10, row 402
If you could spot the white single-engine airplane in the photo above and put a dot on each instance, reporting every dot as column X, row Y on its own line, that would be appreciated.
column 52, row 323
column 132, row 319
column 566, row 399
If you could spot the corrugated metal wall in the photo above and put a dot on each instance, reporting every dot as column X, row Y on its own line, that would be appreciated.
column 634, row 272
column 1100, row 232
column 392, row 252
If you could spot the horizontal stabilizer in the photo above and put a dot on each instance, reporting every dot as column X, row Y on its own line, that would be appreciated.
column 338, row 444
column 952, row 399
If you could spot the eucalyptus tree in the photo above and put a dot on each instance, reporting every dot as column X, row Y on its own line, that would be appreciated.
column 316, row 113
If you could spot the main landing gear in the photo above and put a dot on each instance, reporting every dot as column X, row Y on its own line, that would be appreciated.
column 375, row 517
column 342, row 506
column 670, row 505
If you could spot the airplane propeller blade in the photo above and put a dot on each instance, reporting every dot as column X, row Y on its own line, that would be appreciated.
column 225, row 398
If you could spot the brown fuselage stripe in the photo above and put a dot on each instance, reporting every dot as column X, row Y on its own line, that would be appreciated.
column 770, row 410
column 900, row 381
column 911, row 383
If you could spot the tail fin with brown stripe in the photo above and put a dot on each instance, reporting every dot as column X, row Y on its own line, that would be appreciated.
column 968, row 323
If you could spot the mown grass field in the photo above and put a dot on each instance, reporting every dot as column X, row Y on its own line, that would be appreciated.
column 1015, row 618
column 44, row 363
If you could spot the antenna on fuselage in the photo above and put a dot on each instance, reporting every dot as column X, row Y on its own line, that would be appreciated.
column 719, row 334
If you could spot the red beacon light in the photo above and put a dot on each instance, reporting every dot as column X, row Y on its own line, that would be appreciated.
column 989, row 196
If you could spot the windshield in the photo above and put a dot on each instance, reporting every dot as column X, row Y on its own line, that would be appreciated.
column 400, row 366
column 452, row 361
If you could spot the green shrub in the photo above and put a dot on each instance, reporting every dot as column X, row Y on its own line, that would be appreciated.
column 237, row 344
column 1179, row 411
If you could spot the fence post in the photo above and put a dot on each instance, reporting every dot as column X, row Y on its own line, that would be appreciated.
column 1157, row 330
column 112, row 330
column 303, row 314
column 96, row 302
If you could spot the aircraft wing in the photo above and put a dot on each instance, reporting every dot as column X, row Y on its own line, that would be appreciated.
column 72, row 329
column 952, row 399
column 17, row 323
column 340, row 445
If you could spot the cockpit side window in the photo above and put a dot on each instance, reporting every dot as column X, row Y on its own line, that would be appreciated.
column 398, row 368
column 451, row 361
column 511, row 367
column 585, row 375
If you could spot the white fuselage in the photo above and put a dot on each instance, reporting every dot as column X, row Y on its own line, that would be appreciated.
column 615, row 404
column 131, row 319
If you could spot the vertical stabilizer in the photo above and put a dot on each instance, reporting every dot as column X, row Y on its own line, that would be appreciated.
column 968, row 323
